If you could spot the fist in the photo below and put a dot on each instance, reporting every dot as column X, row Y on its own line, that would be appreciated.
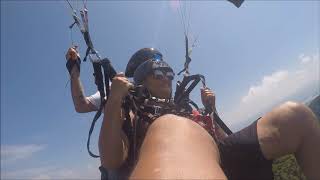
column 208, row 98
column 72, row 54
column 120, row 86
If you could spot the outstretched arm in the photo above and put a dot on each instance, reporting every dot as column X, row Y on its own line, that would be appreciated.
column 80, row 101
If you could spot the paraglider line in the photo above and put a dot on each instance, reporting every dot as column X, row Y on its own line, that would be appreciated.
column 182, row 17
column 189, row 18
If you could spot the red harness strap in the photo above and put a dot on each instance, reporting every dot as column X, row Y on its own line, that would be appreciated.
column 206, row 122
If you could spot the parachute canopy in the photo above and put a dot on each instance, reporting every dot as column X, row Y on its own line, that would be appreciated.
column 236, row 2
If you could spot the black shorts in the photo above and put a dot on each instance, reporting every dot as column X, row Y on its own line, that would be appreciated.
column 242, row 158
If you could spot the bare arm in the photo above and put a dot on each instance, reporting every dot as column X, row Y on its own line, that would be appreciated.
column 113, row 143
column 209, row 99
column 80, row 101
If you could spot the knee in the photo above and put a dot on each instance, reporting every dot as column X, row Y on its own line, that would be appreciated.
column 164, row 125
column 297, row 114
column 170, row 122
column 176, row 126
column 165, row 119
column 164, row 122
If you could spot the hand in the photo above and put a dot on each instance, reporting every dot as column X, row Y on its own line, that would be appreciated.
column 120, row 86
column 73, row 54
column 208, row 98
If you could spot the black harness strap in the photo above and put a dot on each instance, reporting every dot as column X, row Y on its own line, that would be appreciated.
column 99, row 80
column 221, row 123
column 182, row 99
column 182, row 94
column 96, row 117
column 109, row 73
column 103, row 88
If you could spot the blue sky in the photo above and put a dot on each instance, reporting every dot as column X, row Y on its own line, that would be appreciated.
column 254, row 58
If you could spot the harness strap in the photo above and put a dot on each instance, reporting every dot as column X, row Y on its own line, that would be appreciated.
column 109, row 73
column 99, row 80
column 182, row 93
column 221, row 123
column 96, row 117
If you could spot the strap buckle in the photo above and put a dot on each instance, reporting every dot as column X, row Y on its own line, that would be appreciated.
column 157, row 110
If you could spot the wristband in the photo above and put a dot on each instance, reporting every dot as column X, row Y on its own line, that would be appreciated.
column 71, row 63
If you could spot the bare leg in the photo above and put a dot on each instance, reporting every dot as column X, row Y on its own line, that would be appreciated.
column 292, row 128
column 177, row 148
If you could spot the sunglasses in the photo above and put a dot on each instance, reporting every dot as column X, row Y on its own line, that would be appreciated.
column 153, row 56
column 157, row 57
column 160, row 75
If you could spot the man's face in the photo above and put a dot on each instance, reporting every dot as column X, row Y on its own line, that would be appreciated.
column 160, row 87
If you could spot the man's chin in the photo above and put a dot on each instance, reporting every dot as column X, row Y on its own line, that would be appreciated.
column 161, row 92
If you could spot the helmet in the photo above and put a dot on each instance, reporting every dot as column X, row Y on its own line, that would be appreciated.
column 139, row 57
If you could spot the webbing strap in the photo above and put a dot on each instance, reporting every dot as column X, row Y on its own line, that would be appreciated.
column 181, row 92
column 96, row 117
column 109, row 73
column 221, row 124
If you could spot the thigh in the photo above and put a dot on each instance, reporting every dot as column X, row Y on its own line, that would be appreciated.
column 177, row 148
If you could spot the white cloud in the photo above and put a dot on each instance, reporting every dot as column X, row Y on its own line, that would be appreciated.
column 41, row 177
column 305, row 59
column 87, row 171
column 268, row 83
column 28, row 173
column 11, row 153
column 274, row 89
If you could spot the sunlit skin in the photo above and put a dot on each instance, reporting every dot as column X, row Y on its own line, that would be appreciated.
column 161, row 88
column 72, row 53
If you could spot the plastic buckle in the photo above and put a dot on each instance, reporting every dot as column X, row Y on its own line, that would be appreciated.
column 157, row 110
